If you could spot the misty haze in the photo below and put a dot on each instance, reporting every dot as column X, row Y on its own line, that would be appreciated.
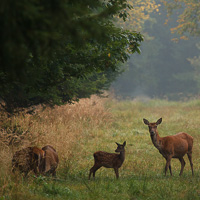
column 167, row 68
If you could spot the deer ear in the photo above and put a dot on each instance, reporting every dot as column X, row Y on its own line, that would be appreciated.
column 124, row 144
column 117, row 144
column 159, row 121
column 146, row 121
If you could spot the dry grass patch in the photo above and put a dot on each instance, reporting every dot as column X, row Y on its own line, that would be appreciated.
column 64, row 127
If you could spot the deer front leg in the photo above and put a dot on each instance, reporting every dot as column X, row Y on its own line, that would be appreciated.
column 116, row 172
column 170, row 168
column 168, row 165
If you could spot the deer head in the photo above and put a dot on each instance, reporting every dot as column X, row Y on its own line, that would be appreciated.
column 120, row 147
column 152, row 126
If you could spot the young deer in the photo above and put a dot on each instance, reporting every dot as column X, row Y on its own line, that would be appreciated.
column 175, row 146
column 109, row 160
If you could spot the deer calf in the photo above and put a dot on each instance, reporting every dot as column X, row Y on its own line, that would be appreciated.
column 174, row 146
column 109, row 160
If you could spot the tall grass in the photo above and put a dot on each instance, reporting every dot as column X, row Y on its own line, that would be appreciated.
column 78, row 130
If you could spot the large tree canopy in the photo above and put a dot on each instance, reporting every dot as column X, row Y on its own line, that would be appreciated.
column 54, row 52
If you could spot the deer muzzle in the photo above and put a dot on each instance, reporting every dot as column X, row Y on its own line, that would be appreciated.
column 152, row 133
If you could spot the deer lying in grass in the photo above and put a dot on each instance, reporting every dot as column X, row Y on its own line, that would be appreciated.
column 28, row 159
column 40, row 161
column 175, row 146
column 109, row 160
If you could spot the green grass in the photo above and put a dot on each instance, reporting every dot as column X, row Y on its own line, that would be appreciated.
column 142, row 174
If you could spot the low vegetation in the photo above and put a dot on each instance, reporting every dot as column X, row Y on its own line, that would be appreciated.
column 78, row 130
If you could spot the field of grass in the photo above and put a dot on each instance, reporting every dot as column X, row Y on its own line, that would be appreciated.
column 77, row 131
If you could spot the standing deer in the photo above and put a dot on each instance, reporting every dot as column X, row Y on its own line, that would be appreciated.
column 109, row 160
column 174, row 146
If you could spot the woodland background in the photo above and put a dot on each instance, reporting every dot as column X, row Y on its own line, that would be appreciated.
column 168, row 66
column 54, row 53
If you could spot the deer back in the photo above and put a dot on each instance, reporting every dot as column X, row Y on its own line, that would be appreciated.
column 51, row 159
column 108, row 160
column 178, row 144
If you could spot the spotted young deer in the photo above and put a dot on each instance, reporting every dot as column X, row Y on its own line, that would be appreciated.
column 175, row 146
column 109, row 160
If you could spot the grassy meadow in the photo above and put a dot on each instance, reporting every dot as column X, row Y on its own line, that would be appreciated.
column 77, row 131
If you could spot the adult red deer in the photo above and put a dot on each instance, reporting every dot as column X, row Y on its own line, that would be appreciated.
column 109, row 160
column 175, row 146
column 50, row 161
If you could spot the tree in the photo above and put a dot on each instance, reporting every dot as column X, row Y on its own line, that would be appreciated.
column 188, row 16
column 55, row 52
column 139, row 14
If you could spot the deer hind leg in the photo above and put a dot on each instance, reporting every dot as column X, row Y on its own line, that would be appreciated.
column 170, row 168
column 116, row 172
column 182, row 165
column 189, row 154
column 93, row 170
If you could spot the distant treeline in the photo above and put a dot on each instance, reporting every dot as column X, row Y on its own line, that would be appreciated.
column 168, row 66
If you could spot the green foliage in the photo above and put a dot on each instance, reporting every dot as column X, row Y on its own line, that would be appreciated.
column 50, row 51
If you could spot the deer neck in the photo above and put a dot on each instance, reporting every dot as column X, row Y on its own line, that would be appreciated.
column 122, row 156
column 156, row 139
